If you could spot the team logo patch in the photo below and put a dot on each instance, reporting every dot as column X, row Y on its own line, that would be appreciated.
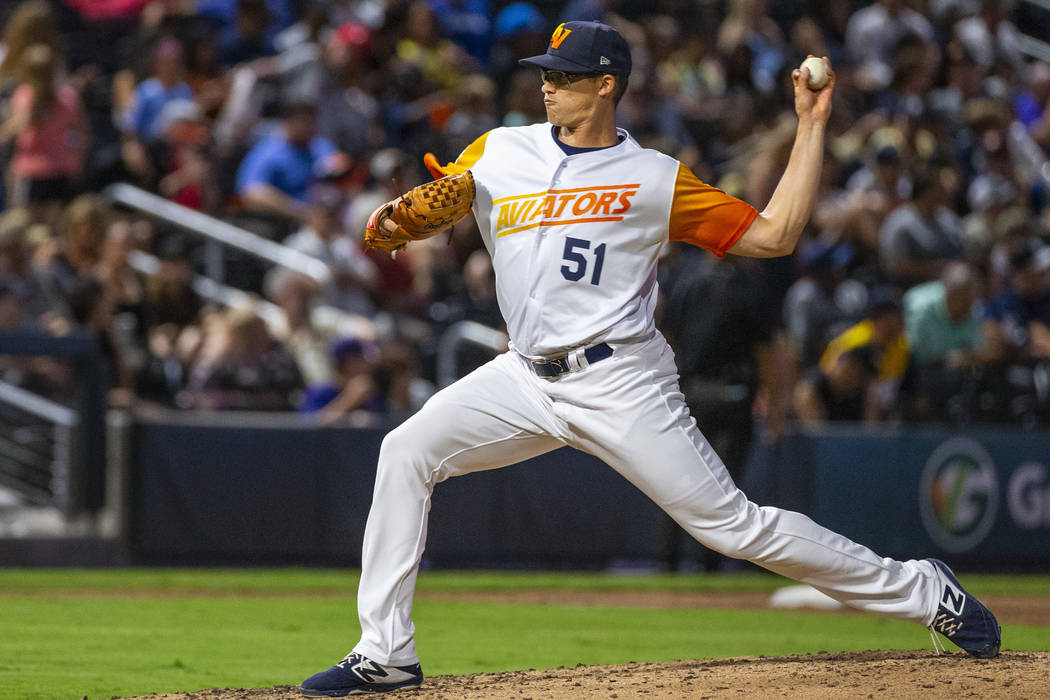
column 959, row 495
column 560, row 32
column 583, row 205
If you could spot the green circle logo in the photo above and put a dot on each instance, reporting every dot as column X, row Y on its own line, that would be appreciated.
column 959, row 494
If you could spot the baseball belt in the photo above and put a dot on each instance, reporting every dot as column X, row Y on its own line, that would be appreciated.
column 552, row 367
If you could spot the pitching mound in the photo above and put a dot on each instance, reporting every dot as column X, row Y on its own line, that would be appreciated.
column 880, row 674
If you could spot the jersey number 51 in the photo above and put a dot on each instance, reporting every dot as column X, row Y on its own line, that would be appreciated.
column 578, row 268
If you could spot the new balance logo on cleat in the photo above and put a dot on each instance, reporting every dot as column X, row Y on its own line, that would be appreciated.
column 953, row 599
column 357, row 675
column 962, row 618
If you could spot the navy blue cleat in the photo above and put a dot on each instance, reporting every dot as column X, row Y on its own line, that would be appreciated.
column 963, row 619
column 356, row 675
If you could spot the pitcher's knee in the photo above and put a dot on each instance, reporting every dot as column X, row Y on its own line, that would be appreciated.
column 400, row 455
column 739, row 535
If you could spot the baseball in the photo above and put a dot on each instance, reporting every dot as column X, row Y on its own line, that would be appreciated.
column 818, row 72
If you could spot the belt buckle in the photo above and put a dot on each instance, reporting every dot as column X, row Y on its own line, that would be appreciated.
column 558, row 366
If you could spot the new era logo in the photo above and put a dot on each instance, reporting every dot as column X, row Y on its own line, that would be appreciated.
column 603, row 61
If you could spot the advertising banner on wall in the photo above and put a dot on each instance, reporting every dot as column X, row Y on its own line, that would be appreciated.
column 979, row 497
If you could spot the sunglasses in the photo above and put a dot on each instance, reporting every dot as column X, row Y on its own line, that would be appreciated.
column 561, row 79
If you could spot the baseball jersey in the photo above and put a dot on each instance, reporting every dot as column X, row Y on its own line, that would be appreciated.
column 575, row 239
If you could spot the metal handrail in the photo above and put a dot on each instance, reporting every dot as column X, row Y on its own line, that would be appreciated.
column 214, row 291
column 218, row 231
column 37, row 405
column 464, row 332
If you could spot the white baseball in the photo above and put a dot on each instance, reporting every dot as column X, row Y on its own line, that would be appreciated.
column 818, row 72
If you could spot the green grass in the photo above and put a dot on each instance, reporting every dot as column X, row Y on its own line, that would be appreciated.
column 71, row 633
column 344, row 581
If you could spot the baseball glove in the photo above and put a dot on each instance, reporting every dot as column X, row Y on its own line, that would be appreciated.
column 420, row 213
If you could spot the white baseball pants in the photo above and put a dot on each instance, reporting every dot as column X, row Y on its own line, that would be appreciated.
column 626, row 410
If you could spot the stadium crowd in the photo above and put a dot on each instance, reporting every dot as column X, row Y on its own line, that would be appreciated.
column 920, row 291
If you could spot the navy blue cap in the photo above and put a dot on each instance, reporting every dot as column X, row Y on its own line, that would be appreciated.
column 585, row 47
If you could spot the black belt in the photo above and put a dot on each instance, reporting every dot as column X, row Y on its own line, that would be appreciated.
column 556, row 366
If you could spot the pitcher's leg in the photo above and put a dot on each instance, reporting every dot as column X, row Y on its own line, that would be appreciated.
column 666, row 456
column 484, row 421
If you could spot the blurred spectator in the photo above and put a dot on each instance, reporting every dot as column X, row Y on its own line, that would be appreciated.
column 439, row 60
column 124, row 287
column 51, row 137
column 276, row 175
column 248, row 37
column 280, row 14
column 296, row 294
column 354, row 389
column 354, row 275
column 242, row 367
column 141, row 123
column 12, row 300
column 163, row 374
column 166, row 84
column 59, row 263
column 991, row 37
column 14, row 252
column 348, row 111
column 185, row 171
column 1031, row 104
column 838, row 393
column 873, row 33
column 520, row 30
column 882, row 333
column 920, row 236
column 91, row 310
column 885, row 175
column 30, row 23
column 817, row 306
column 748, row 24
column 475, row 113
column 204, row 70
column 1017, row 325
column 467, row 23
column 943, row 320
column 170, row 298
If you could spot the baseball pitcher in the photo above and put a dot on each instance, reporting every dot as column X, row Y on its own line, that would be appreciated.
column 574, row 214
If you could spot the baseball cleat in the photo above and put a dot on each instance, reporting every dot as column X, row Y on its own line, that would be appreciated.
column 963, row 619
column 356, row 675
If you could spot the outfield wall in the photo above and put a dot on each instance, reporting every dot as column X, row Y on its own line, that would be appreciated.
column 260, row 490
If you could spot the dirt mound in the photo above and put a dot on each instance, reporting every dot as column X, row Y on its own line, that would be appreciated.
column 873, row 674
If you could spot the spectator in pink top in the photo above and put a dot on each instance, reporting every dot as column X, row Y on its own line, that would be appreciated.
column 50, row 133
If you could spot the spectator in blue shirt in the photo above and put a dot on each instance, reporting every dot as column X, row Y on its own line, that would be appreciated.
column 142, row 118
column 140, row 123
column 276, row 175
column 1017, row 325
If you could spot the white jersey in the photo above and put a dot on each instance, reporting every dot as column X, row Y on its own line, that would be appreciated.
column 575, row 239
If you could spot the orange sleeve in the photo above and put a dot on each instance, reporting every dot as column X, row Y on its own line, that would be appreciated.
column 706, row 216
column 466, row 159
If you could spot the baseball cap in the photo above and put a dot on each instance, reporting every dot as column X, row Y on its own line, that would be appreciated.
column 584, row 47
